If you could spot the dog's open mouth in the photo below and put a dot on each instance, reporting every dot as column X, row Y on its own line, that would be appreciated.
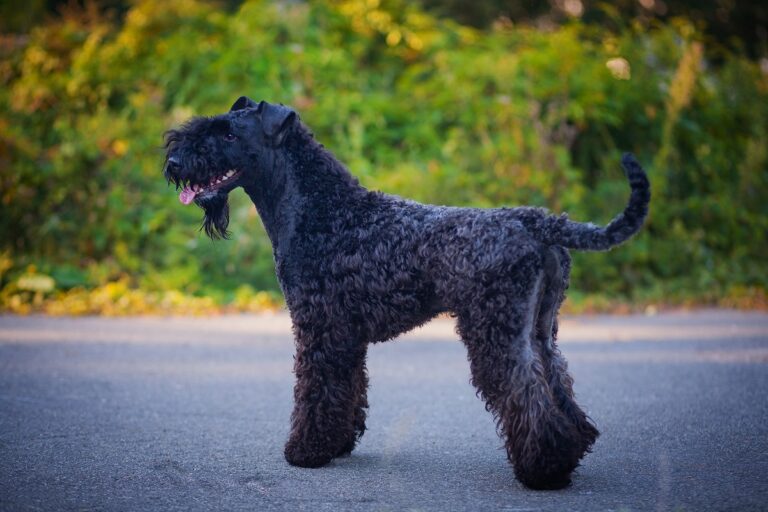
column 190, row 191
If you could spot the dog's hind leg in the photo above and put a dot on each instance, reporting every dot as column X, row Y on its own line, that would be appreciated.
column 326, row 419
column 556, row 268
column 498, row 330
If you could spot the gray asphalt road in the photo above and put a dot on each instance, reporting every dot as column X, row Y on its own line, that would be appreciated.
column 180, row 414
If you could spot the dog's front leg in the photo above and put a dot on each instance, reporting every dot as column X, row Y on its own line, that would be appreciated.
column 325, row 416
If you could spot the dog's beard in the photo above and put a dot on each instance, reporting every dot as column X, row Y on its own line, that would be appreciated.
column 216, row 217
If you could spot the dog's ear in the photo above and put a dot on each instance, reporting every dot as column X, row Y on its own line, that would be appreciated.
column 242, row 103
column 275, row 119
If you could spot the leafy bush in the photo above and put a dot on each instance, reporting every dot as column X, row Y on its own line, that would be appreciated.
column 413, row 104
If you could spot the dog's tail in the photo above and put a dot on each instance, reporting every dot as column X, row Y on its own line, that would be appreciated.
column 560, row 230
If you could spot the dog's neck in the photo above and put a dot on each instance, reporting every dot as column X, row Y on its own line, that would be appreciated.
column 318, row 174
column 295, row 189
column 272, row 198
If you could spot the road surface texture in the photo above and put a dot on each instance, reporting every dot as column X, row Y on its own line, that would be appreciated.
column 191, row 414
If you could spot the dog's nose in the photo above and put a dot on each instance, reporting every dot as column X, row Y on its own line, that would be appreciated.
column 173, row 163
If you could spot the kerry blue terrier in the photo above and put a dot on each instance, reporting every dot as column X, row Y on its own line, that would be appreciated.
column 359, row 267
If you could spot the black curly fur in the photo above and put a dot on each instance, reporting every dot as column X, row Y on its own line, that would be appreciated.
column 360, row 267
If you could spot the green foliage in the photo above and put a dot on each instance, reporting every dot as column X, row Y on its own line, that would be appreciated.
column 414, row 105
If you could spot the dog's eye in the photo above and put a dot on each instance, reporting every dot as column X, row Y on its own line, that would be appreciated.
column 230, row 137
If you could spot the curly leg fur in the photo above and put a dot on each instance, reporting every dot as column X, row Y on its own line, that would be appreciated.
column 329, row 410
column 360, row 383
column 509, row 372
column 557, row 268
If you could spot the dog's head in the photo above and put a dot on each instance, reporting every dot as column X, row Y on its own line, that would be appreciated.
column 208, row 157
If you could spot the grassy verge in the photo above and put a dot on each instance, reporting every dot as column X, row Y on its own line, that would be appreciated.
column 34, row 295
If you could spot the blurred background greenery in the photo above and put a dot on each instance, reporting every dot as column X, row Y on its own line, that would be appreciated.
column 463, row 102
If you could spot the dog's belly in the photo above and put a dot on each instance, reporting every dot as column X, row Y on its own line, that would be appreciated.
column 393, row 322
column 380, row 314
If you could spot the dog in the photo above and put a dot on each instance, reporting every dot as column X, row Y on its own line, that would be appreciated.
column 359, row 267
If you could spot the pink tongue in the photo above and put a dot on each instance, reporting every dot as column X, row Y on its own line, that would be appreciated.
column 187, row 195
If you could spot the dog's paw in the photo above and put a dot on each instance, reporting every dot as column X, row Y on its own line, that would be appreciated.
column 347, row 448
column 304, row 457
column 541, row 482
